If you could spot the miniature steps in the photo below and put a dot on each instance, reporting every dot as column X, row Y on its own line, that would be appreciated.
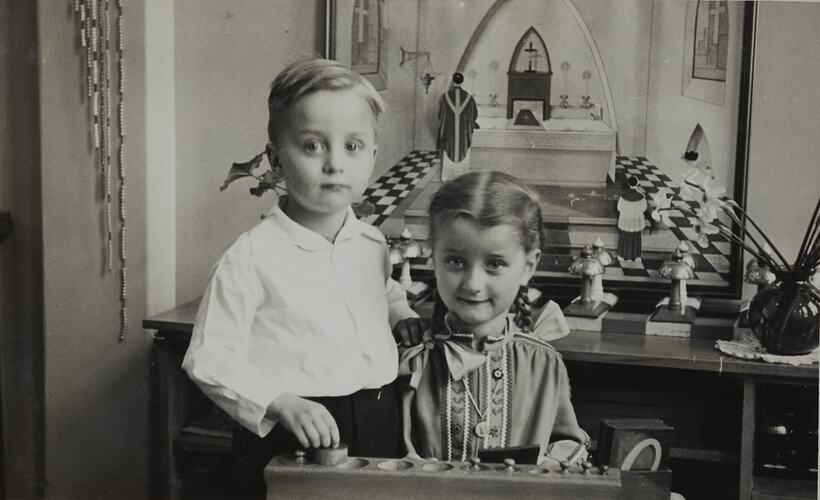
column 657, row 244
column 570, row 238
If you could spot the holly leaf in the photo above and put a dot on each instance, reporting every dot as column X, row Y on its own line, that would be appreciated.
column 363, row 209
column 240, row 170
column 271, row 178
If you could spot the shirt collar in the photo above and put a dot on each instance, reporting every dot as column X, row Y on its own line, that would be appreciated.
column 308, row 239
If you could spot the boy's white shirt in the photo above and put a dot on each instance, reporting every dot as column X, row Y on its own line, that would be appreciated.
column 288, row 311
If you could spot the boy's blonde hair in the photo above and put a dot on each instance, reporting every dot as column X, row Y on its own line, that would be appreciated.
column 304, row 77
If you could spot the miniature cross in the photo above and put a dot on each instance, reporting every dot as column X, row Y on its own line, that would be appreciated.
column 534, row 55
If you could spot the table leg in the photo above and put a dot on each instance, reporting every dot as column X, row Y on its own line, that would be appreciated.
column 169, row 422
column 747, row 443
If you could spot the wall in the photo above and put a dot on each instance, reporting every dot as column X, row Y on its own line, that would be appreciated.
column 783, row 182
column 671, row 116
column 226, row 55
column 621, row 30
column 96, row 388
column 21, row 269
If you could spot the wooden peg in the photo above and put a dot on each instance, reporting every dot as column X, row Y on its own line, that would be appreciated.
column 330, row 456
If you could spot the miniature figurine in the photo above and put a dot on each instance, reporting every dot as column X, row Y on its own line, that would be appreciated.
column 457, row 115
column 631, row 221
column 677, row 307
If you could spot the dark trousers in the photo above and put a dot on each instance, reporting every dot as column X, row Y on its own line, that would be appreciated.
column 368, row 422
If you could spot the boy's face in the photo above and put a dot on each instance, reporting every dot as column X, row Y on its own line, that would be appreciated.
column 479, row 271
column 327, row 148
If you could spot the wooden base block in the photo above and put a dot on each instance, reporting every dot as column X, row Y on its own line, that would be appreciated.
column 614, row 322
column 586, row 310
column 645, row 485
column 367, row 477
column 668, row 328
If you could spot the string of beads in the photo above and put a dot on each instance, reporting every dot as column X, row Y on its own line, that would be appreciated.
column 94, row 26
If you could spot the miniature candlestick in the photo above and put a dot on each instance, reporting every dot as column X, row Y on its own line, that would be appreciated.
column 587, row 268
column 586, row 305
column 757, row 273
column 677, row 307
column 565, row 96
column 401, row 252
column 585, row 98
column 411, row 250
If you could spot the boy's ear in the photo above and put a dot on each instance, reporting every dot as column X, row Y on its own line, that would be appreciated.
column 533, row 257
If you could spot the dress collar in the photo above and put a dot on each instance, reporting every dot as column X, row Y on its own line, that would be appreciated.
column 489, row 344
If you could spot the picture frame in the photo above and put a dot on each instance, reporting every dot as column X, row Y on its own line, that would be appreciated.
column 475, row 54
column 356, row 34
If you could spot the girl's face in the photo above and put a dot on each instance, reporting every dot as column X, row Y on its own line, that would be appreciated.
column 327, row 149
column 479, row 271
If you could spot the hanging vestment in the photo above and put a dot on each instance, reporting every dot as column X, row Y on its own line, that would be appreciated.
column 457, row 115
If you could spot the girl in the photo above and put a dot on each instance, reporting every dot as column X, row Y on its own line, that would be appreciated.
column 480, row 380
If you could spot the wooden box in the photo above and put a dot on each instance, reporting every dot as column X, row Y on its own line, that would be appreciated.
column 635, row 444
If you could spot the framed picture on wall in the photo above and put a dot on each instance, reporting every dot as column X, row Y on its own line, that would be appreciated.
column 601, row 130
column 356, row 35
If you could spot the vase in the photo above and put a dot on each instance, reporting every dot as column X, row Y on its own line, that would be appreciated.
column 784, row 317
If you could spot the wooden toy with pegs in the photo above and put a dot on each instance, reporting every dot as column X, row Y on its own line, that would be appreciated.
column 330, row 473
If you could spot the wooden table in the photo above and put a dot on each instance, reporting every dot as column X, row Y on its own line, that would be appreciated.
column 700, row 355
column 174, row 391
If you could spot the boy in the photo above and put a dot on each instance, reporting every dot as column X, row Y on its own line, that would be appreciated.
column 294, row 326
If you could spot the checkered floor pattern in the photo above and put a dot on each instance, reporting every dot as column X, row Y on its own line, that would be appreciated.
column 390, row 189
column 712, row 262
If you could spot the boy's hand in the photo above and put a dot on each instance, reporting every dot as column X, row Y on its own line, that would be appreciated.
column 310, row 422
column 410, row 331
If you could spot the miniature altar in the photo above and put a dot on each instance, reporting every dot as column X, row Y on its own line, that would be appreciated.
column 559, row 151
column 536, row 141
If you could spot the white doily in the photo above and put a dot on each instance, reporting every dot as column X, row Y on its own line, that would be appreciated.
column 748, row 347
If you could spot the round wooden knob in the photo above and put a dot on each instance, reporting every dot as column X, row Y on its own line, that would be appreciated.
column 603, row 469
column 586, row 466
column 299, row 456
column 564, row 466
column 509, row 465
column 475, row 463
